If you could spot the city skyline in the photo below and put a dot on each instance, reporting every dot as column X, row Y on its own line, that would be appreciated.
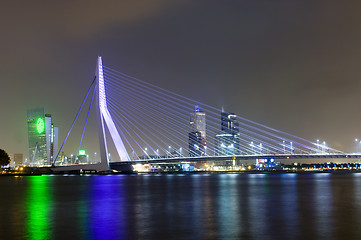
column 182, row 119
column 291, row 66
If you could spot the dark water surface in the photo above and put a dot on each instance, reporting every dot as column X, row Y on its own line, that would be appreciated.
column 194, row 206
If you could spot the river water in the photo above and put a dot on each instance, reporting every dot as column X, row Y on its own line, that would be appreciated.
column 190, row 206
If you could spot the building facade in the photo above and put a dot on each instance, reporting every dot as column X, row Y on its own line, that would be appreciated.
column 228, row 140
column 42, row 137
column 229, row 123
column 197, row 137
column 18, row 159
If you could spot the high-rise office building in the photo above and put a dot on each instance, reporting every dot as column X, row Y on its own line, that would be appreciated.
column 51, row 139
column 42, row 137
column 194, row 144
column 197, row 136
column 229, row 123
column 228, row 140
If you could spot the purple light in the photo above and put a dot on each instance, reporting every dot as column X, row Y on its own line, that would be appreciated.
column 119, row 145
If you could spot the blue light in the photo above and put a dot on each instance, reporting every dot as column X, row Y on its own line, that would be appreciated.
column 196, row 108
column 187, row 167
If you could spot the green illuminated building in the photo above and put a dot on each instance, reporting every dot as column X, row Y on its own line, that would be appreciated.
column 42, row 137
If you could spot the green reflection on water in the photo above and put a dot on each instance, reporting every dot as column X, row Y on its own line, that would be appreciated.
column 38, row 204
column 82, row 219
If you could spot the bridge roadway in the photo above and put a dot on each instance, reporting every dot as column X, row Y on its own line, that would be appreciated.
column 240, row 157
column 126, row 165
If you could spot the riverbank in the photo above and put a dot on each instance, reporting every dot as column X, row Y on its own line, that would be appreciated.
column 47, row 171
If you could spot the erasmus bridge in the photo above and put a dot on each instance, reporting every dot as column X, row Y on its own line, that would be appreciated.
column 146, row 123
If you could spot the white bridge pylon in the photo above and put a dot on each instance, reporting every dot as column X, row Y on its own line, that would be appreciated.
column 105, row 120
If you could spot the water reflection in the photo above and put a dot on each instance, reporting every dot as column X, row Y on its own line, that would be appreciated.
column 208, row 215
column 228, row 207
column 323, row 204
column 257, row 202
column 83, row 223
column 344, row 209
column 288, row 205
column 107, row 207
column 357, row 196
column 238, row 206
column 39, row 208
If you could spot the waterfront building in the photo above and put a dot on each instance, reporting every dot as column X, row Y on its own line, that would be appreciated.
column 52, row 134
column 197, row 136
column 227, row 141
column 82, row 157
column 18, row 159
column 42, row 137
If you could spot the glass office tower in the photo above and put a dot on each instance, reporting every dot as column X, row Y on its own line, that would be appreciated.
column 228, row 141
column 42, row 137
column 197, row 136
column 36, row 136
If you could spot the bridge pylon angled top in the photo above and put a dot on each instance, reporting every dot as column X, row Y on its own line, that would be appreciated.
column 105, row 120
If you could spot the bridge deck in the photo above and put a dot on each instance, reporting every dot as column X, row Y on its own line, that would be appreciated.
column 243, row 157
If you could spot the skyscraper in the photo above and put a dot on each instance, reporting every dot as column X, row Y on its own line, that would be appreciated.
column 229, row 123
column 51, row 139
column 228, row 139
column 42, row 137
column 197, row 135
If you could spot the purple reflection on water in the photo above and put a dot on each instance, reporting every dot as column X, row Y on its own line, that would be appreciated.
column 107, row 208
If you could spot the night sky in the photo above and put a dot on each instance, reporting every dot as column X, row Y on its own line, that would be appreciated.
column 292, row 65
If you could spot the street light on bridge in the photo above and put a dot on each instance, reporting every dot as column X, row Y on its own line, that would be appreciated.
column 251, row 147
column 146, row 154
column 260, row 148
